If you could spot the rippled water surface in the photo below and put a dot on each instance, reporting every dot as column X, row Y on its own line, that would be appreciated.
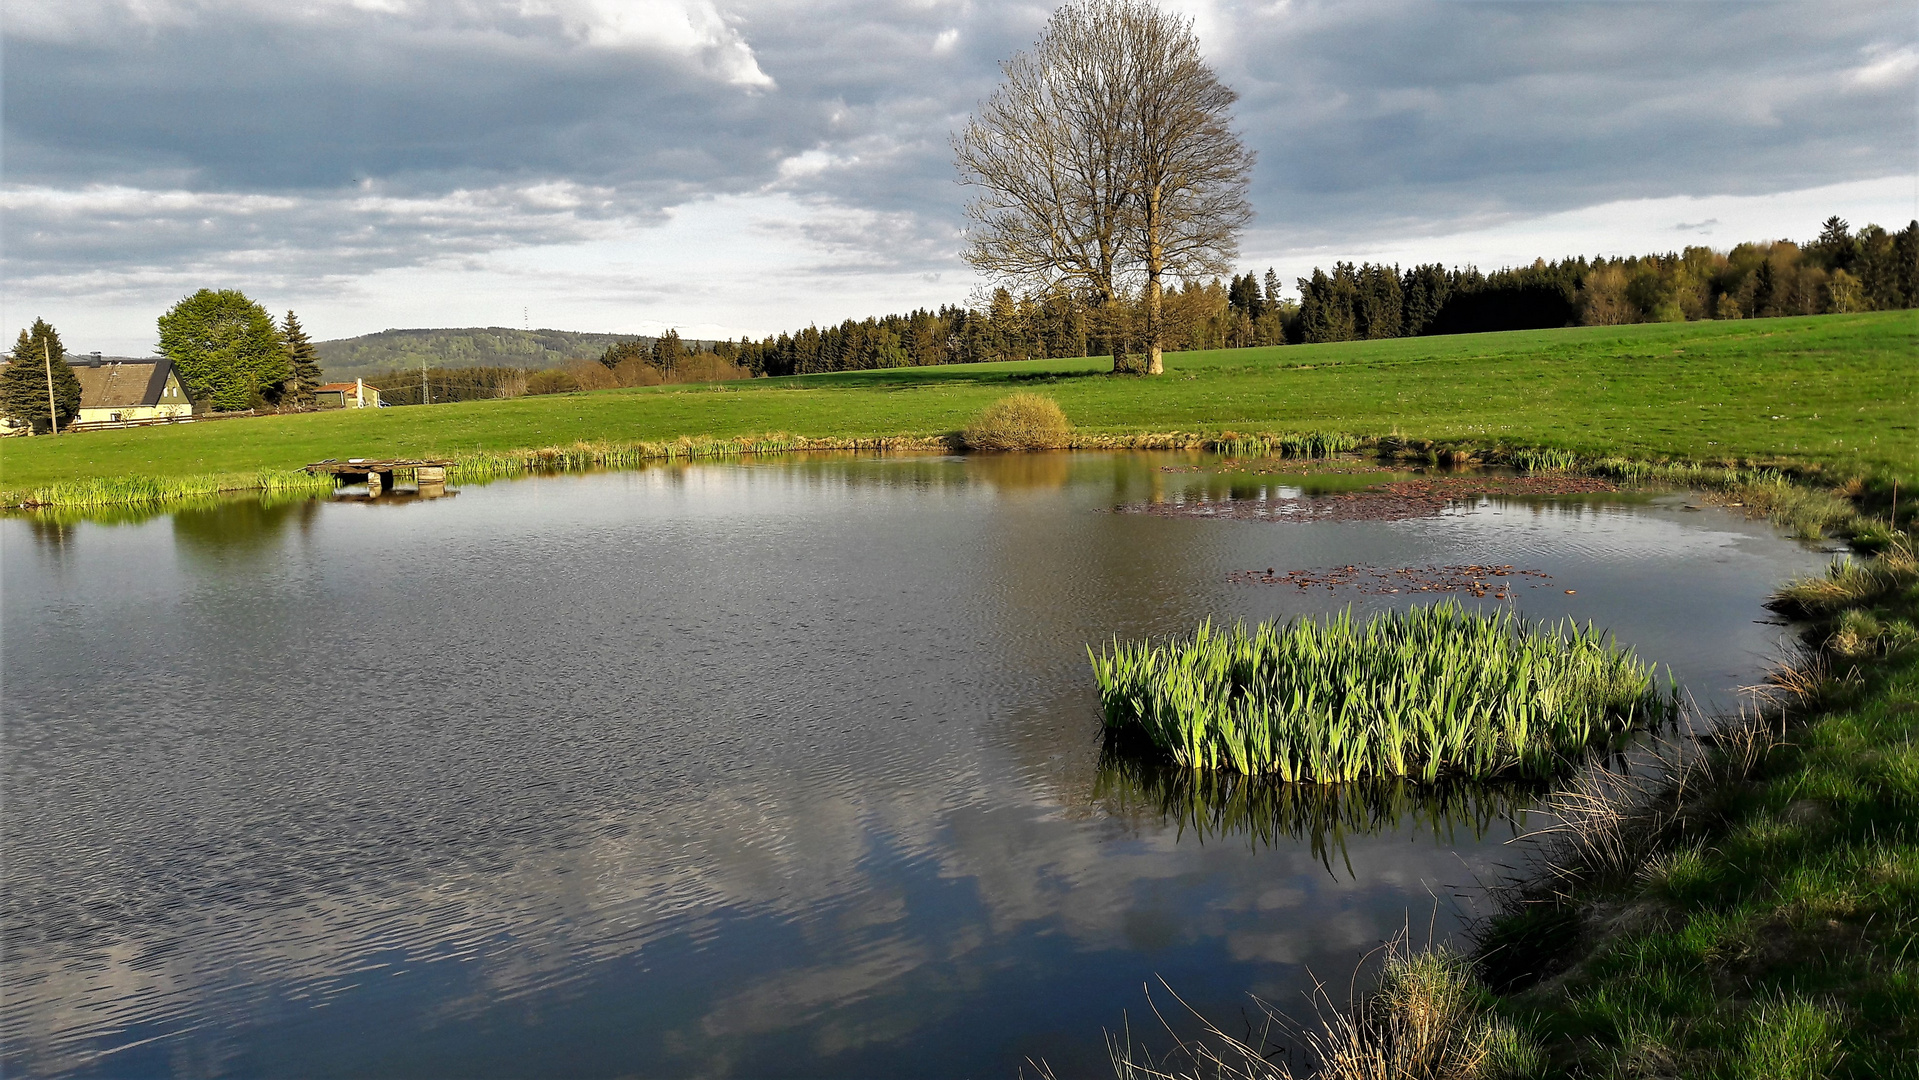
column 724, row 769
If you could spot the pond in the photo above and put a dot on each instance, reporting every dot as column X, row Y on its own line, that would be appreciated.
column 777, row 768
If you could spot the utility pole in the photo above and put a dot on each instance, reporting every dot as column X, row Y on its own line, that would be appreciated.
column 53, row 407
column 425, row 397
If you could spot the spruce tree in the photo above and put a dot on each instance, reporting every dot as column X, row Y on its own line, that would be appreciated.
column 23, row 385
column 304, row 359
column 1836, row 247
column 668, row 351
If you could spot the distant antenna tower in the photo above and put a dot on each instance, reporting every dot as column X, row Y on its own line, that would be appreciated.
column 525, row 323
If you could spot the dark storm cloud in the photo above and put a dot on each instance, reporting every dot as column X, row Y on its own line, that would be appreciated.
column 331, row 139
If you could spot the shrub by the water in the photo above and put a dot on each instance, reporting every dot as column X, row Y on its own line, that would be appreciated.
column 1020, row 421
column 1425, row 693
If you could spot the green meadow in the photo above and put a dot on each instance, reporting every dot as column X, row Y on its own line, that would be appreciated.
column 1836, row 390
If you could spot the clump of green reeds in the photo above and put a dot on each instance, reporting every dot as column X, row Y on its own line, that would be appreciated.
column 1426, row 693
column 1022, row 421
column 1310, row 444
column 483, row 464
column 123, row 490
column 1806, row 511
column 1545, row 460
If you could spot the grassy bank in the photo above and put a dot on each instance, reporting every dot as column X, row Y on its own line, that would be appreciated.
column 1758, row 915
column 1750, row 912
column 1833, row 391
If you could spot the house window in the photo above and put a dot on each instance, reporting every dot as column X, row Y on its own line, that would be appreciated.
column 116, row 416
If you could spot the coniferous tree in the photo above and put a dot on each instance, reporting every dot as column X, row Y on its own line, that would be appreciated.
column 1378, row 304
column 1423, row 291
column 23, row 385
column 1906, row 264
column 303, row 359
column 1879, row 270
column 226, row 349
column 668, row 351
column 1836, row 249
column 1326, row 304
column 1272, row 289
column 1244, row 296
column 1764, row 288
column 622, row 351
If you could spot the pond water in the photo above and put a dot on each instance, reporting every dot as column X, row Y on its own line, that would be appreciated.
column 760, row 769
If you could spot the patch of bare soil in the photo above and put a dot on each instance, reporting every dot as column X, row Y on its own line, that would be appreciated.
column 1494, row 581
column 1397, row 501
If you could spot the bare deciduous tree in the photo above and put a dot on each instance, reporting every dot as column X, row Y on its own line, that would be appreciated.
column 1106, row 161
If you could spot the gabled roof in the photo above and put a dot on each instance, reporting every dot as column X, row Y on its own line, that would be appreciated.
column 337, row 387
column 122, row 386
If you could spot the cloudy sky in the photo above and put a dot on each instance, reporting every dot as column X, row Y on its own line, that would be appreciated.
column 729, row 166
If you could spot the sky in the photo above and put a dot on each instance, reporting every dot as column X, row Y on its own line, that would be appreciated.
column 751, row 166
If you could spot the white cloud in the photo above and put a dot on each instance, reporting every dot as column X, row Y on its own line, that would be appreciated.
column 694, row 28
column 1887, row 66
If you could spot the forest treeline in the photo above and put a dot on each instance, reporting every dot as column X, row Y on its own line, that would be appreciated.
column 1842, row 270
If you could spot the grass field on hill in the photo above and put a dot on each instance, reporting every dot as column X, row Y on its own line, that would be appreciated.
column 1839, row 390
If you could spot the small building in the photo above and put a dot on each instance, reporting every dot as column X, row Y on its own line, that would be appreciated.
column 129, row 392
column 347, row 395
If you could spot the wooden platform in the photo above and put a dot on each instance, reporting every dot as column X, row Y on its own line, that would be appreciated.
column 377, row 473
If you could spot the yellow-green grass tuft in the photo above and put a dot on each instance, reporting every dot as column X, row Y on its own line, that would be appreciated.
column 1022, row 421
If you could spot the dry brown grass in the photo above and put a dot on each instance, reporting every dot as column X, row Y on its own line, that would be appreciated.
column 1850, row 583
column 1429, row 1018
column 1022, row 421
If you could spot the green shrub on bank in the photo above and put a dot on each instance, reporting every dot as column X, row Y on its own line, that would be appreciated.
column 1426, row 693
column 1022, row 421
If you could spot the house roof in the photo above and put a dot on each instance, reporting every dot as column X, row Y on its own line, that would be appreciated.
column 336, row 387
column 120, row 386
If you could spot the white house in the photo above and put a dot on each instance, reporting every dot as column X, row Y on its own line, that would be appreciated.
column 116, row 392
column 346, row 395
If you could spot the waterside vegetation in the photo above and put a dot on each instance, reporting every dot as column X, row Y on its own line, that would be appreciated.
column 1433, row 692
column 1022, row 421
column 1745, row 909
column 1827, row 396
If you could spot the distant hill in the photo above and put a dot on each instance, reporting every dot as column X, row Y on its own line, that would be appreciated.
column 488, row 346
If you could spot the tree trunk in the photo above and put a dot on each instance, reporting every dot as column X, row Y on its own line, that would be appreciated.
column 1155, row 265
